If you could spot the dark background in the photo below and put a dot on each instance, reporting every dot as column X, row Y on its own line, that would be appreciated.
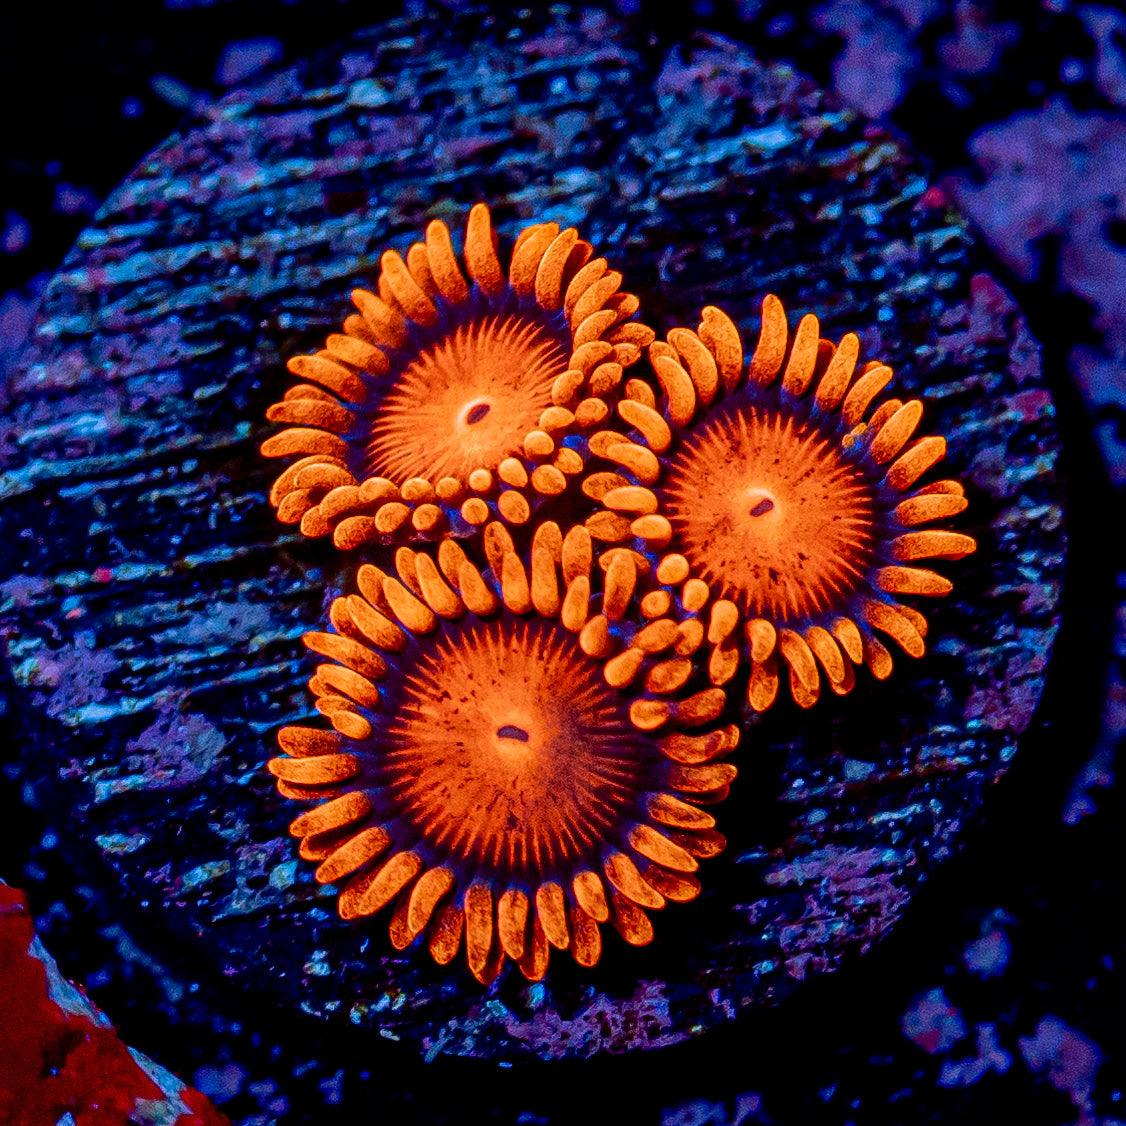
column 1001, row 994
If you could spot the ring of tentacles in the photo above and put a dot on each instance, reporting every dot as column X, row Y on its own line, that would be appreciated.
column 459, row 392
column 792, row 490
column 519, row 750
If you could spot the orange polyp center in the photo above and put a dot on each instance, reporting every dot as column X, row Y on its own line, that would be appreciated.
column 467, row 400
column 509, row 753
column 771, row 514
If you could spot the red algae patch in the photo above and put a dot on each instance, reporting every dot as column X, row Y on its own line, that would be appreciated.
column 59, row 1058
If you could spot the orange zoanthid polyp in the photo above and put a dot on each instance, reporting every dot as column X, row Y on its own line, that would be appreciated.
column 519, row 752
column 508, row 749
column 771, row 513
column 447, row 399
column 466, row 401
column 800, row 500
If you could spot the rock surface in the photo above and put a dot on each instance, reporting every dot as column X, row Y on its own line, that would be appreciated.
column 151, row 607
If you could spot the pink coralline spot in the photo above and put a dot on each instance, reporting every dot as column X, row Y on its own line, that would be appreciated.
column 391, row 135
column 933, row 197
column 71, row 199
column 982, row 705
column 1036, row 598
column 676, row 77
column 102, row 575
column 1032, row 404
column 990, row 309
column 1011, row 712
column 702, row 79
column 933, row 1023
column 69, row 370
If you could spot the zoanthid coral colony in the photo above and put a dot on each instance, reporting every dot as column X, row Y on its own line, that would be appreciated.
column 526, row 713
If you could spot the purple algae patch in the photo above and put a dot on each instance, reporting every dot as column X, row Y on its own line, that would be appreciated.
column 933, row 1022
column 1066, row 1058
